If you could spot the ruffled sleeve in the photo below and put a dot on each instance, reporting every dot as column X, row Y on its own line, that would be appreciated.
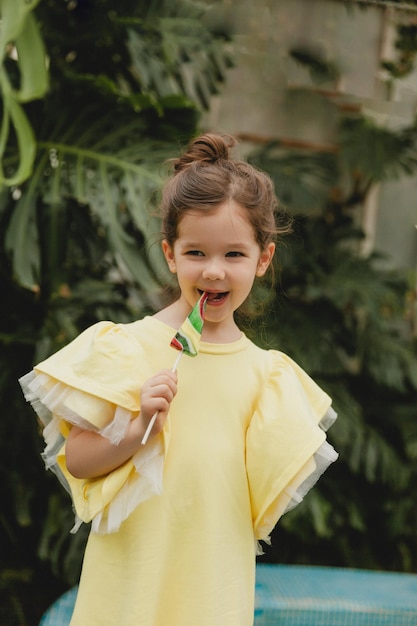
column 286, row 447
column 94, row 382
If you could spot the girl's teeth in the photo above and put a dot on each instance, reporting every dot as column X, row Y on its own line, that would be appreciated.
column 216, row 296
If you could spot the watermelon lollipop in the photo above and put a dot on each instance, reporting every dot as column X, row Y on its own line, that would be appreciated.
column 187, row 341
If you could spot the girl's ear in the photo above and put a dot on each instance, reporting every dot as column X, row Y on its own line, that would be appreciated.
column 265, row 259
column 168, row 251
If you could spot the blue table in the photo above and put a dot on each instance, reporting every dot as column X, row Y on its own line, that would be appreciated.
column 292, row 595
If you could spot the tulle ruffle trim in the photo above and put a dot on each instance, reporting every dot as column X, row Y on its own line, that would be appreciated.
column 325, row 456
column 296, row 491
column 140, row 486
column 51, row 399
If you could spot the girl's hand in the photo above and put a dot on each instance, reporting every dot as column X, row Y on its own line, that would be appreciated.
column 89, row 455
column 157, row 394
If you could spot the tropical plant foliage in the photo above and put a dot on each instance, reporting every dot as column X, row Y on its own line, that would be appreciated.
column 108, row 119
column 351, row 325
column 107, row 93
column 95, row 96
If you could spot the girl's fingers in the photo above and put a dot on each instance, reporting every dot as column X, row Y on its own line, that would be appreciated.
column 158, row 392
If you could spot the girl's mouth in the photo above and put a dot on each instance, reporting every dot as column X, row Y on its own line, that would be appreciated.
column 216, row 298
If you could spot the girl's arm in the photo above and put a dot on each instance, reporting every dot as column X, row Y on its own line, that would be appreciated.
column 89, row 455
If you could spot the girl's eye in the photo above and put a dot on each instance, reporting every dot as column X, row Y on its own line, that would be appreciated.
column 194, row 253
column 234, row 254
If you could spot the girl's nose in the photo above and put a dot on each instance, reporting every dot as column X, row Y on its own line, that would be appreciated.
column 214, row 270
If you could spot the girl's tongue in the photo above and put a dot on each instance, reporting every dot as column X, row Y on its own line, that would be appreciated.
column 216, row 298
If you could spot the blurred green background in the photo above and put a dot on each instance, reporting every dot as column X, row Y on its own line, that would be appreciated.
column 322, row 94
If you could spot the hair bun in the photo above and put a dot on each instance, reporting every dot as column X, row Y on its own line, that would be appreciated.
column 208, row 148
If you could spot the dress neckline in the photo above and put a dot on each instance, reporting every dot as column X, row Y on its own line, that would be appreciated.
column 206, row 347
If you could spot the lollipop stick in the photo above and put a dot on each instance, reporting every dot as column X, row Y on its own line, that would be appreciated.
column 155, row 415
column 187, row 340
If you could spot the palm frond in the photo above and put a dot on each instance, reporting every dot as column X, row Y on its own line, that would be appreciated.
column 114, row 173
column 302, row 181
column 21, row 80
column 22, row 236
column 182, row 57
column 362, row 447
column 388, row 359
column 377, row 152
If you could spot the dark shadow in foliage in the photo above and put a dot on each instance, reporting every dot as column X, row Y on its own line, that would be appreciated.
column 346, row 321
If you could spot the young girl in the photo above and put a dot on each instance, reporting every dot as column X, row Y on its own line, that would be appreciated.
column 239, row 436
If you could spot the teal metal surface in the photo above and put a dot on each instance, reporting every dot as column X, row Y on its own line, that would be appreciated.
column 60, row 612
column 291, row 595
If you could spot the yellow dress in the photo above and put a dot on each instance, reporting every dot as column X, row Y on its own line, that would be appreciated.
column 175, row 529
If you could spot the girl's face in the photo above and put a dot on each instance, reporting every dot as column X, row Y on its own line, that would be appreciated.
column 216, row 252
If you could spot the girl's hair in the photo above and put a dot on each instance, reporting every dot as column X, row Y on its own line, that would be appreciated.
column 205, row 176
